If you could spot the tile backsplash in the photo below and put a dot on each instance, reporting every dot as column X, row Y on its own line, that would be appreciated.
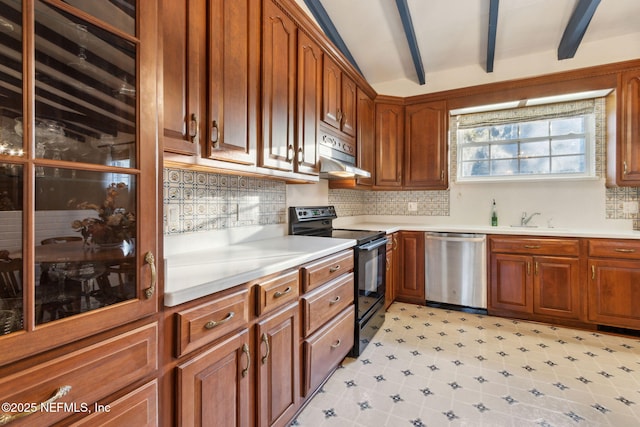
column 353, row 202
column 199, row 201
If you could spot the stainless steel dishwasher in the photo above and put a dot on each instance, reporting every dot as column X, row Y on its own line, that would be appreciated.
column 456, row 269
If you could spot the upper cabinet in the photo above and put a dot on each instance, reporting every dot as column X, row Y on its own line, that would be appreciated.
column 211, row 77
column 77, row 171
column 366, row 137
column 339, row 99
column 279, row 48
column 389, row 145
column 628, row 159
column 425, row 151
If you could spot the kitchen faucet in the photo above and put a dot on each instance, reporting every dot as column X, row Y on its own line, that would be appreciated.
column 525, row 219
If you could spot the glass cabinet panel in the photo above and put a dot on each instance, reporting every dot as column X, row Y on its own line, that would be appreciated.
column 85, row 249
column 85, row 91
column 11, row 249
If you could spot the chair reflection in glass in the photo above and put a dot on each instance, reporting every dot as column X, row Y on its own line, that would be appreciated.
column 11, row 302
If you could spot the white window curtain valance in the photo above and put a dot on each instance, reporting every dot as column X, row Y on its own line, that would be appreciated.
column 525, row 114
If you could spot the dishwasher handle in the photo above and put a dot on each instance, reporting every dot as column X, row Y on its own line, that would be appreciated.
column 455, row 237
column 373, row 245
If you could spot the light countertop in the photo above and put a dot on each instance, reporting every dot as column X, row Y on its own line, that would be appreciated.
column 191, row 275
column 392, row 227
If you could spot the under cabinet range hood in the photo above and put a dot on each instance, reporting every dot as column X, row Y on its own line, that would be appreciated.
column 337, row 164
column 331, row 168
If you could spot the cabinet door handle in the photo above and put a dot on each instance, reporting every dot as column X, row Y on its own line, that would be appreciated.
column 593, row 272
column 278, row 294
column 245, row 350
column 535, row 268
column 213, row 323
column 265, row 340
column 624, row 168
column 532, row 246
column 395, row 243
column 300, row 156
column 528, row 268
column 334, row 269
column 624, row 250
column 339, row 116
column 215, row 134
column 151, row 260
column 61, row 392
column 335, row 300
column 337, row 344
column 193, row 127
column 290, row 153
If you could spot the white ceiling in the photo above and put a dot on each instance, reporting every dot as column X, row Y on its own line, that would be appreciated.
column 452, row 35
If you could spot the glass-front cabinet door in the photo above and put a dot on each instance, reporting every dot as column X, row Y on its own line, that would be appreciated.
column 77, row 169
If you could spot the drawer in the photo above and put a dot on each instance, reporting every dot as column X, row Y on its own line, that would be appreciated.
column 137, row 408
column 325, row 302
column 209, row 321
column 274, row 293
column 84, row 376
column 535, row 246
column 316, row 273
column 624, row 249
column 325, row 349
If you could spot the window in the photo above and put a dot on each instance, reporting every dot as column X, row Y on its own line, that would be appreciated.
column 540, row 142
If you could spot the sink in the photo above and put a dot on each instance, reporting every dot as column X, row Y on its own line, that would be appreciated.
column 525, row 226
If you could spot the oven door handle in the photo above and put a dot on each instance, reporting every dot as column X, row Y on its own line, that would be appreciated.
column 373, row 245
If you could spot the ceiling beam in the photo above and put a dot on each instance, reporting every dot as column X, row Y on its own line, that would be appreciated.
column 322, row 17
column 407, row 23
column 576, row 28
column 491, row 39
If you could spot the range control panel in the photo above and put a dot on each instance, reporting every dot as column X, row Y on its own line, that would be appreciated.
column 309, row 213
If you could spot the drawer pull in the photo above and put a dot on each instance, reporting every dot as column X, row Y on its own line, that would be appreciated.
column 61, row 392
column 334, row 269
column 265, row 340
column 213, row 323
column 151, row 260
column 337, row 344
column 245, row 350
column 335, row 300
column 625, row 251
column 532, row 246
column 278, row 294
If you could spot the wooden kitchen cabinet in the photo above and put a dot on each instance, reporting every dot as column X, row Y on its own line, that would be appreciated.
column 365, row 137
column 392, row 269
column 627, row 155
column 614, row 282
column 537, row 278
column 309, row 104
column 103, row 131
column 389, row 145
column 213, row 387
column 411, row 285
column 339, row 98
column 426, row 146
column 211, row 78
column 278, row 367
column 279, row 48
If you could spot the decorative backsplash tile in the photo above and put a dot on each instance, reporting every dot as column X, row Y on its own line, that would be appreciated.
column 355, row 202
column 620, row 197
column 198, row 201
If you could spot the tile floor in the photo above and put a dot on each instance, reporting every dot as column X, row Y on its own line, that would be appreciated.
column 436, row 367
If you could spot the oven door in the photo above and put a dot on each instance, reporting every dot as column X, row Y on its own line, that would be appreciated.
column 371, row 273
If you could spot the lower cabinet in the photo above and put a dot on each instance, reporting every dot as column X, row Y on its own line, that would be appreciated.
column 535, row 278
column 236, row 355
column 614, row 283
column 278, row 367
column 410, row 285
column 392, row 269
column 213, row 387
